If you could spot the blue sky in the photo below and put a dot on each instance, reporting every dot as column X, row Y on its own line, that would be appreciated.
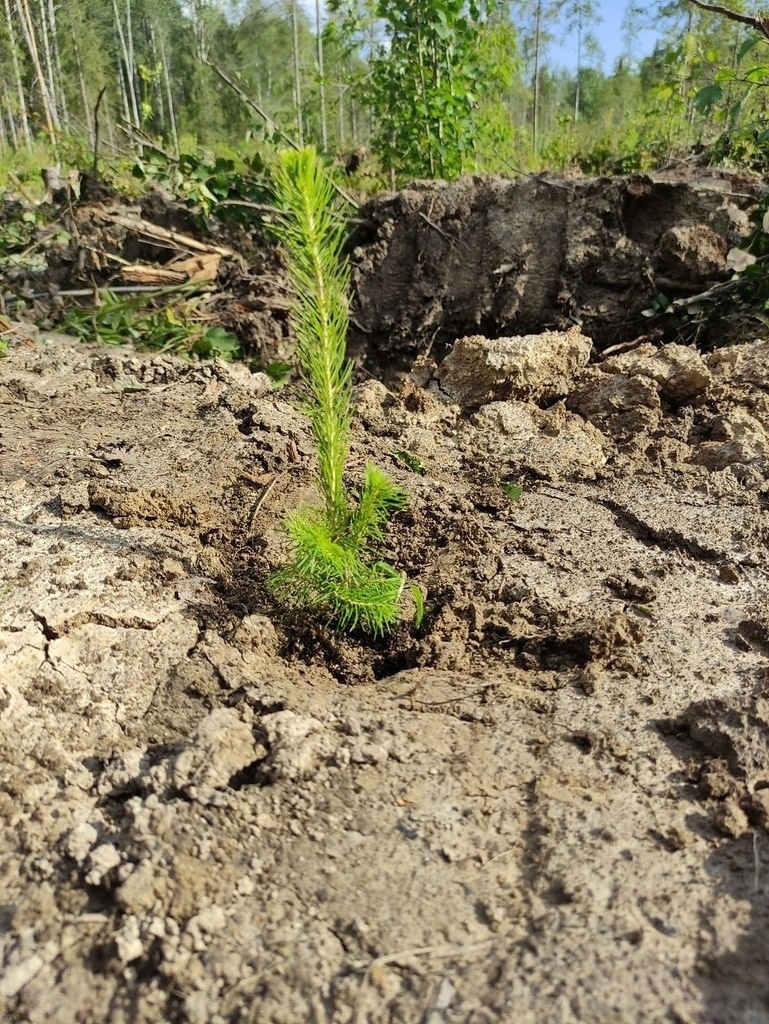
column 610, row 36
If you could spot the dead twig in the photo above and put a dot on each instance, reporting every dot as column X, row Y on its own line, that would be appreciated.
column 452, row 241
column 430, row 952
column 534, row 177
column 624, row 346
column 721, row 288
column 245, row 98
column 95, row 165
column 761, row 25
column 82, row 293
column 259, row 502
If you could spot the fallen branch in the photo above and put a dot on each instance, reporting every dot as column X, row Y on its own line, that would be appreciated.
column 717, row 289
column 761, row 25
column 272, row 125
column 193, row 270
column 275, row 128
column 151, row 231
column 84, row 293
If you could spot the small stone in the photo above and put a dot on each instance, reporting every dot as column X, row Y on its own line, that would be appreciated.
column 137, row 891
column 102, row 860
column 128, row 942
column 80, row 841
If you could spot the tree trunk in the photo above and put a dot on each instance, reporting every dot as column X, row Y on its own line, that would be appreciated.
column 535, row 115
column 124, row 100
column 579, row 66
column 27, row 27
column 59, row 73
column 133, row 78
column 87, row 112
column 50, row 77
column 321, row 80
column 297, row 74
column 157, row 81
column 23, row 119
column 128, row 73
column 169, row 91
column 10, row 133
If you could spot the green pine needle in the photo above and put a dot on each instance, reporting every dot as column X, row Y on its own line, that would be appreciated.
column 330, row 575
column 312, row 232
column 331, row 567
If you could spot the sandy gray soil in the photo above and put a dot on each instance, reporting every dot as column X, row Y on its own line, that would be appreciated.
column 547, row 805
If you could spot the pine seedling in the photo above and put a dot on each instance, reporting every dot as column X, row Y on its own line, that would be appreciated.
column 332, row 567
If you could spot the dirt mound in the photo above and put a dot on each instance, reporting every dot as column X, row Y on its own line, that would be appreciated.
column 432, row 263
column 545, row 805
column 491, row 256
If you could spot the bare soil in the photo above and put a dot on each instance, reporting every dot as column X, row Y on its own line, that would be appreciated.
column 547, row 805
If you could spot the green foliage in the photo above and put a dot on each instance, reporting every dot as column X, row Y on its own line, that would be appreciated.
column 17, row 234
column 203, row 183
column 427, row 83
column 512, row 491
column 411, row 462
column 172, row 329
column 332, row 567
column 278, row 371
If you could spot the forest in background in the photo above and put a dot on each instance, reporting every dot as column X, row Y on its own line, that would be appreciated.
column 432, row 89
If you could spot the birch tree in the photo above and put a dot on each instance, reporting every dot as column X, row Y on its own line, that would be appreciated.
column 16, row 67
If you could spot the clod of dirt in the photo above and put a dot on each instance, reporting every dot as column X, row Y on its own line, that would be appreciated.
column 736, row 439
column 621, row 404
column 679, row 372
column 552, row 444
column 537, row 366
column 693, row 253
column 746, row 364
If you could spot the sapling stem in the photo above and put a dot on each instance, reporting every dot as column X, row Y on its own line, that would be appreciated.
column 332, row 567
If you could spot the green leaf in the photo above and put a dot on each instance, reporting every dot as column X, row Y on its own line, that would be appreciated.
column 750, row 43
column 217, row 342
column 277, row 371
column 419, row 600
column 411, row 462
column 513, row 491
column 707, row 97
column 757, row 75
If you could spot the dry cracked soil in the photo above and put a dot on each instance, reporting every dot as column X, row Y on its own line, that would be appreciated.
column 548, row 804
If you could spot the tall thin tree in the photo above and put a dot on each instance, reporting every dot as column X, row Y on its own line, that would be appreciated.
column 297, row 73
column 21, row 96
column 28, row 31
column 321, row 78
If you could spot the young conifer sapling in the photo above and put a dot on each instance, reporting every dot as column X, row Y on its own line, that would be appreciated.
column 332, row 566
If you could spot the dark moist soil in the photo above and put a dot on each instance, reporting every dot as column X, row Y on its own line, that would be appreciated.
column 547, row 805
